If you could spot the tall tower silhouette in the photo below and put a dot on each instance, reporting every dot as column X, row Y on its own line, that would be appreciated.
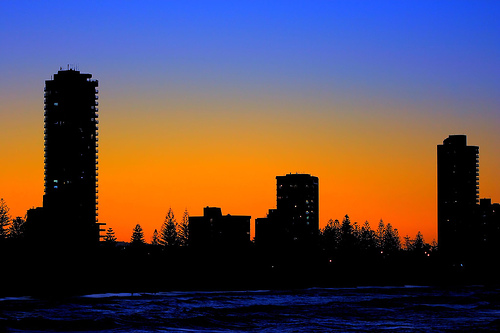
column 71, row 129
column 458, row 196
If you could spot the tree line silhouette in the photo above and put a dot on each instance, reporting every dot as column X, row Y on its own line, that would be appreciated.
column 171, row 233
column 346, row 239
column 337, row 239
column 10, row 228
column 345, row 253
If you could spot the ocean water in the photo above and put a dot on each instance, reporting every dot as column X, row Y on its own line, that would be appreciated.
column 362, row 309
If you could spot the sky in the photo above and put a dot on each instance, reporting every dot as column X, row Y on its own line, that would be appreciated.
column 204, row 103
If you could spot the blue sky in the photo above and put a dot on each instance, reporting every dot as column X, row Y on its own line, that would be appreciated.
column 372, row 86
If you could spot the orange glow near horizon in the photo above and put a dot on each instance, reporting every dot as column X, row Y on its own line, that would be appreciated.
column 374, row 161
column 206, row 103
column 368, row 168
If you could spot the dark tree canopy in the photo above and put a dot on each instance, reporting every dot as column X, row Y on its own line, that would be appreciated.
column 16, row 228
column 110, row 237
column 330, row 236
column 183, row 230
column 350, row 240
column 391, row 241
column 155, row 240
column 418, row 246
column 137, row 235
column 168, row 231
column 4, row 218
column 367, row 238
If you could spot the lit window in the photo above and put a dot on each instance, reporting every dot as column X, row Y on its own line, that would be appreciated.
column 55, row 186
column 55, row 181
column 56, row 104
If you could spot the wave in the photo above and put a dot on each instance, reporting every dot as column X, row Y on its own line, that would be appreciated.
column 18, row 298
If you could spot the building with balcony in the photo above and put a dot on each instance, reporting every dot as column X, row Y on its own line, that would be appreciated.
column 71, row 153
column 458, row 197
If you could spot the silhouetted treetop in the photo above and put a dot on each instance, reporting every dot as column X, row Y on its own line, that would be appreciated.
column 110, row 237
column 391, row 241
column 4, row 218
column 16, row 228
column 183, row 230
column 348, row 240
column 137, row 235
column 168, row 231
column 155, row 240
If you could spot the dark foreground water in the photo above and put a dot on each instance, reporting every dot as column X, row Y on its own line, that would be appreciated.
column 387, row 309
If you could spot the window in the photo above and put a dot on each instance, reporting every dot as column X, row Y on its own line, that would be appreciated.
column 56, row 104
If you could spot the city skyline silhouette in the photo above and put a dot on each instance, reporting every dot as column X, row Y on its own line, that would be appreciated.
column 204, row 108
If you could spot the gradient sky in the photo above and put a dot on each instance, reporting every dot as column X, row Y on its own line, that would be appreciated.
column 206, row 102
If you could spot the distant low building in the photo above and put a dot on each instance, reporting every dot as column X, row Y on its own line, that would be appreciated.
column 269, row 230
column 489, row 217
column 214, row 230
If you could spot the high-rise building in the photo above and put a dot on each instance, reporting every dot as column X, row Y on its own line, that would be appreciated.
column 71, row 129
column 458, row 196
column 295, row 221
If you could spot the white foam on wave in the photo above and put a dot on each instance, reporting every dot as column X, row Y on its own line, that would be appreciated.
column 108, row 295
column 18, row 298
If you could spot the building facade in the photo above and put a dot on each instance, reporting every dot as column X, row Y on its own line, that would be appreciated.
column 297, row 202
column 295, row 221
column 214, row 230
column 458, row 196
column 70, row 152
